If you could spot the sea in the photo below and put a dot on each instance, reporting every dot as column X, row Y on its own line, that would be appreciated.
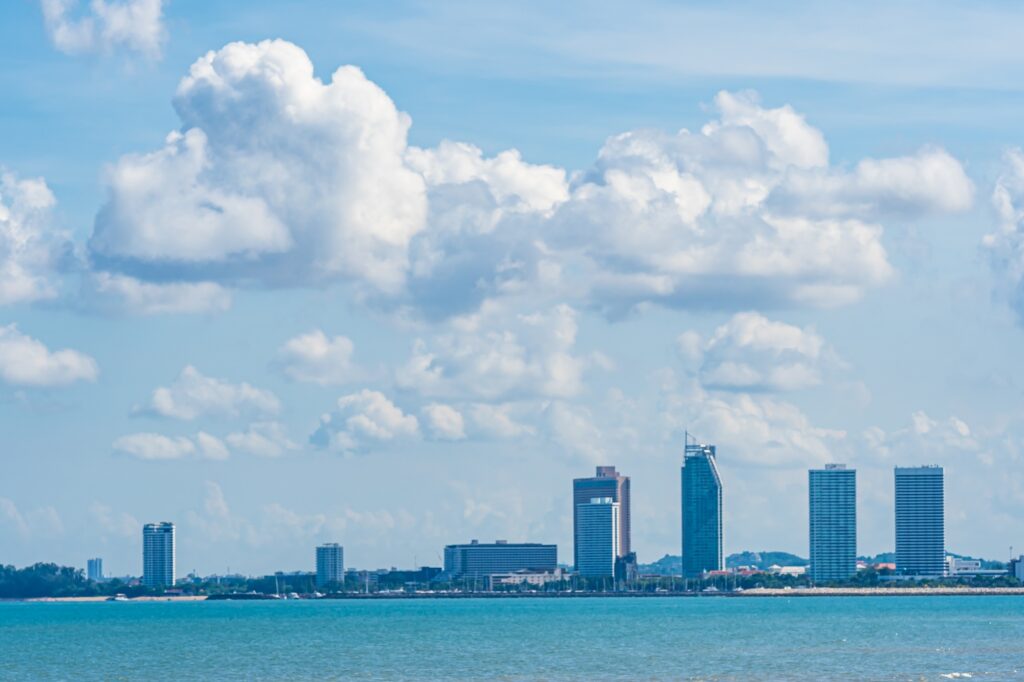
column 669, row 638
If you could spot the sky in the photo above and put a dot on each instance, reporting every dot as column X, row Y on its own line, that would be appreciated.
column 392, row 274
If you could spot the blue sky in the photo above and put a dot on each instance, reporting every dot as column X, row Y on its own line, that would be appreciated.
column 402, row 306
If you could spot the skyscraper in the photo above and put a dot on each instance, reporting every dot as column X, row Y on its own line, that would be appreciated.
column 598, row 541
column 330, row 564
column 920, row 521
column 158, row 554
column 701, row 510
column 832, row 494
column 607, row 483
column 94, row 569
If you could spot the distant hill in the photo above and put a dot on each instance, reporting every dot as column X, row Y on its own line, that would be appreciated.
column 764, row 559
column 667, row 565
column 672, row 564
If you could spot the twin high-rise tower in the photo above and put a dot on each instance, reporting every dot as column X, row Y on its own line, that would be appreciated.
column 832, row 497
column 920, row 521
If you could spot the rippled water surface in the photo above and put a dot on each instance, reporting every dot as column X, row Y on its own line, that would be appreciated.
column 876, row 638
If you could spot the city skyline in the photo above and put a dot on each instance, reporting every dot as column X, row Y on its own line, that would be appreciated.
column 219, row 306
column 832, row 553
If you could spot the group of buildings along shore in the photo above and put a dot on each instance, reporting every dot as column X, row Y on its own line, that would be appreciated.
column 602, row 537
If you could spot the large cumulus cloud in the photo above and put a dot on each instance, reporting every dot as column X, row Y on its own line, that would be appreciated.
column 275, row 175
column 31, row 251
column 1005, row 245
column 281, row 179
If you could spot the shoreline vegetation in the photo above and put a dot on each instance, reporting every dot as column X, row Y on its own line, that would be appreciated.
column 754, row 592
column 53, row 583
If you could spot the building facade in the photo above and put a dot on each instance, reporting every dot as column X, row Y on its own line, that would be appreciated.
column 832, row 496
column 330, row 564
column 607, row 482
column 480, row 560
column 598, row 540
column 94, row 569
column 1016, row 568
column 158, row 554
column 920, row 521
column 701, row 502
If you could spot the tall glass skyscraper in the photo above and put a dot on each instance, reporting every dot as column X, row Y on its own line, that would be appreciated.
column 597, row 539
column 606, row 483
column 832, row 494
column 158, row 558
column 702, row 510
column 920, row 521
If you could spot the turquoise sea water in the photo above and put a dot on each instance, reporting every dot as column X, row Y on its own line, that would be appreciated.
column 790, row 638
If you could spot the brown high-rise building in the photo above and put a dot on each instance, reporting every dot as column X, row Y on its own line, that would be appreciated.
column 607, row 483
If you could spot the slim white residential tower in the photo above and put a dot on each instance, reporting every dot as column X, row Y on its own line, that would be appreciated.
column 330, row 564
column 158, row 554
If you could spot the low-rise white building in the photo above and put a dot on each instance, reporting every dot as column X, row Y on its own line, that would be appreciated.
column 526, row 577
column 955, row 566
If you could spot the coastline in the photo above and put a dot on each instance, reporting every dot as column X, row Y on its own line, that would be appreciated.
column 89, row 600
column 753, row 593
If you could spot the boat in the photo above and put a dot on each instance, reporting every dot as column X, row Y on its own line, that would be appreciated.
column 118, row 597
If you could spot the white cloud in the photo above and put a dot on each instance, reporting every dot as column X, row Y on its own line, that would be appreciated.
column 215, row 521
column 155, row 446
column 277, row 175
column 263, row 439
column 751, row 352
column 754, row 430
column 128, row 294
column 499, row 421
column 496, row 353
column 30, row 250
column 744, row 212
column 361, row 419
column 929, row 181
column 315, row 358
column 107, row 520
column 24, row 361
column 211, row 447
column 45, row 521
column 572, row 428
column 785, row 133
column 193, row 395
column 924, row 437
column 10, row 514
column 689, row 219
column 1006, row 244
column 445, row 422
column 135, row 25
